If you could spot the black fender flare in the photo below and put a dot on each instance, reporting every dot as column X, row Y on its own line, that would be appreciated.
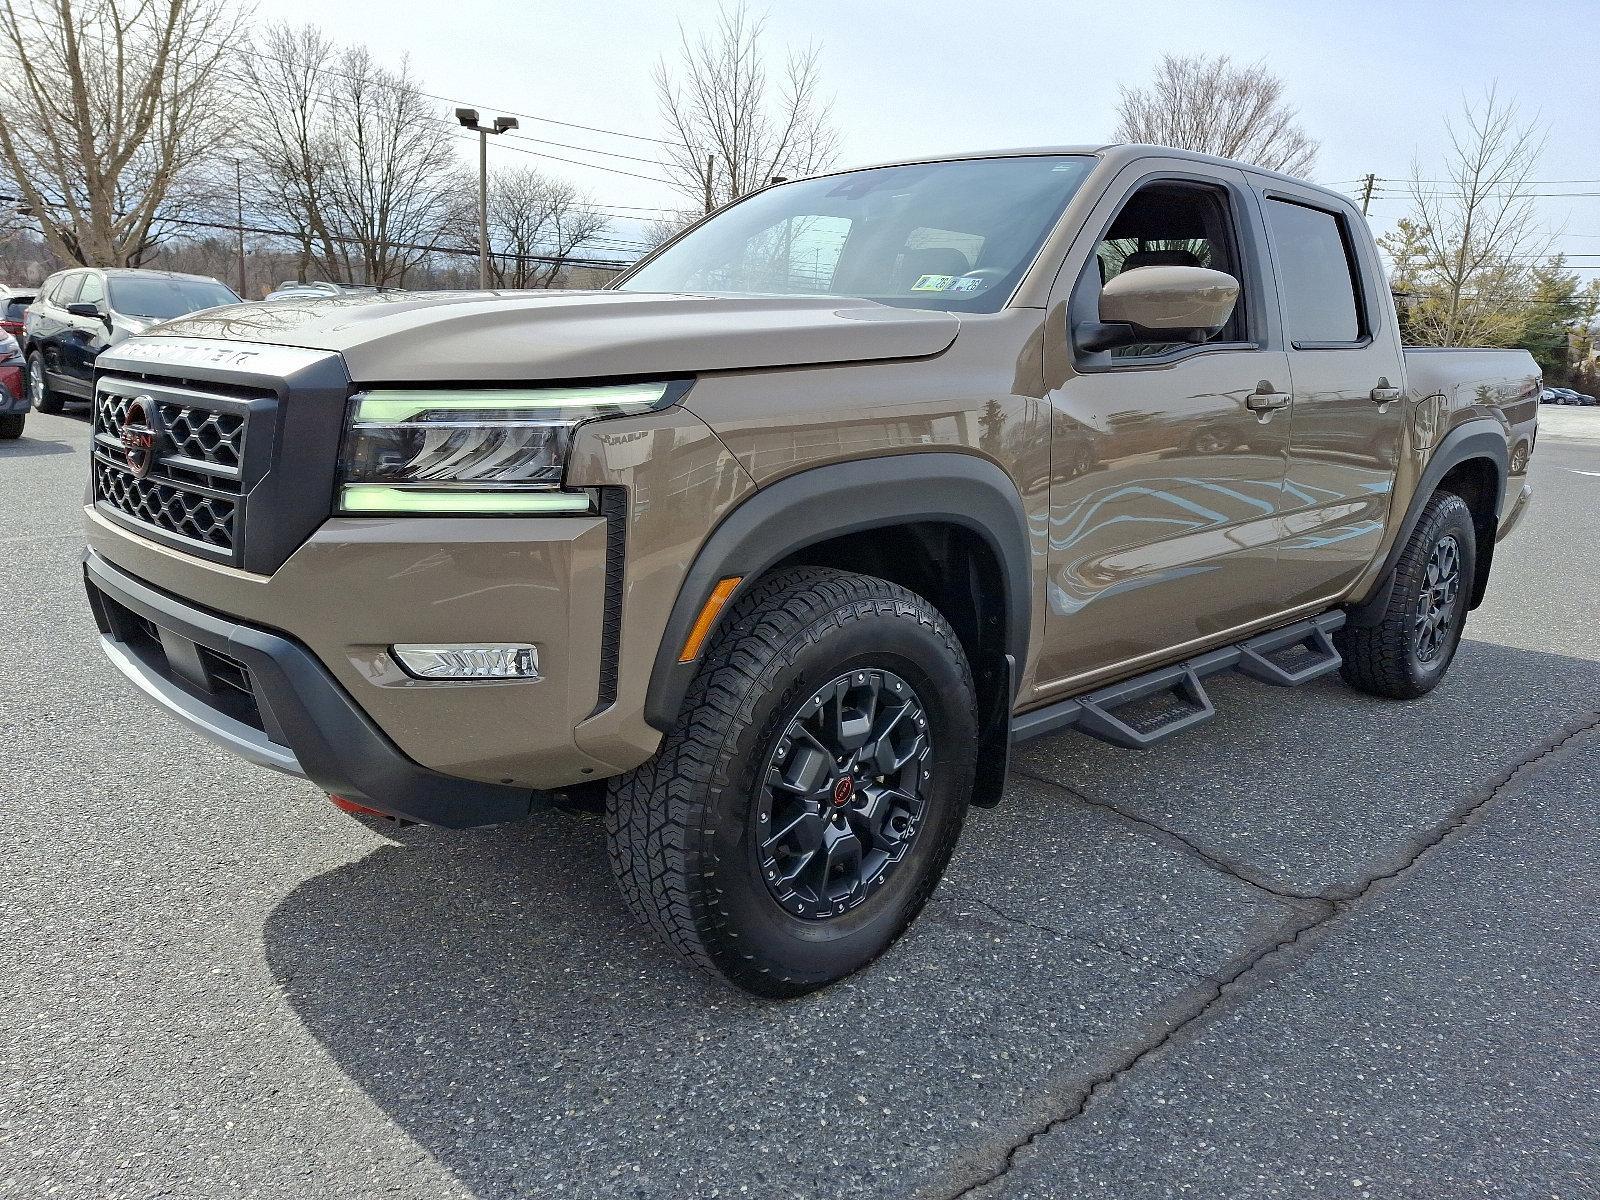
column 826, row 502
column 1476, row 439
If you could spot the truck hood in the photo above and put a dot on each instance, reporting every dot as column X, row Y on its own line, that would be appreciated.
column 484, row 336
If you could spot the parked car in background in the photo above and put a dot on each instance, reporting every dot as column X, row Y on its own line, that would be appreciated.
column 1563, row 395
column 13, row 395
column 13, row 307
column 79, row 313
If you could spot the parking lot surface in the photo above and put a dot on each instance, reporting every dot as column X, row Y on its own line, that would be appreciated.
column 1323, row 946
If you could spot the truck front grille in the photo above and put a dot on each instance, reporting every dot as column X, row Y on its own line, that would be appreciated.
column 193, row 488
column 239, row 466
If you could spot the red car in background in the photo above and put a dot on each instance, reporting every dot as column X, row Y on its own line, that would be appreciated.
column 13, row 396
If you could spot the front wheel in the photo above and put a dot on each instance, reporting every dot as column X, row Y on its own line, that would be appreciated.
column 44, row 399
column 1408, row 651
column 803, row 808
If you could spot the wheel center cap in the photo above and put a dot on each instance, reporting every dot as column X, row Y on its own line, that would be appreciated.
column 842, row 792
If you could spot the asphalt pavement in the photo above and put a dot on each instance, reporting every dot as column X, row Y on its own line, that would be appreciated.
column 1323, row 946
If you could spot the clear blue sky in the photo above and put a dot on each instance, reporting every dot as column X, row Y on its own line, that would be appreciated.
column 1373, row 81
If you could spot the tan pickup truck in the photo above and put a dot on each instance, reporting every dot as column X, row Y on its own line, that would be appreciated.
column 788, row 535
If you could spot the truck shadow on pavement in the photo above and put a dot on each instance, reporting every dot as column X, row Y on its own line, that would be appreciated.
column 491, row 995
column 32, row 447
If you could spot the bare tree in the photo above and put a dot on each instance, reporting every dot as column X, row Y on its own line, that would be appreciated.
column 356, row 164
column 395, row 171
column 287, row 134
column 731, row 129
column 668, row 226
column 1467, row 254
column 110, row 108
column 1197, row 102
column 535, row 221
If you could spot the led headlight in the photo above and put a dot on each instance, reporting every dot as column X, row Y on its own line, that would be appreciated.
column 477, row 450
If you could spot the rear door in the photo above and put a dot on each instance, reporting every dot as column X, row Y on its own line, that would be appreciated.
column 1167, row 460
column 1348, row 378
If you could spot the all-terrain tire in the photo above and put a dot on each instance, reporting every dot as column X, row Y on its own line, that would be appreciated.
column 11, row 426
column 683, row 828
column 44, row 399
column 1388, row 659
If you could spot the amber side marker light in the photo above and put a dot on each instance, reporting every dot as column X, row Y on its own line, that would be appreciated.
column 714, row 604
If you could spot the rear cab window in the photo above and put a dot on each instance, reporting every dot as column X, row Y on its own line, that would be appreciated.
column 1317, row 276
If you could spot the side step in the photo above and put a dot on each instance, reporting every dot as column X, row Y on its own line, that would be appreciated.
column 1139, row 712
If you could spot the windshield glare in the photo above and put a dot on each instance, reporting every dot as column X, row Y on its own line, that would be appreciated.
column 949, row 235
column 166, row 298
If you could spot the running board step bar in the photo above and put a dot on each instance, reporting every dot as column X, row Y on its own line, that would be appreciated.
column 1139, row 712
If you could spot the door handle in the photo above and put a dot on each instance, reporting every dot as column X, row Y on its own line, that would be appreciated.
column 1264, row 399
column 1384, row 394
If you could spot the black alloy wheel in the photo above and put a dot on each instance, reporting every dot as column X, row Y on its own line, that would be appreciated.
column 1437, row 599
column 843, row 799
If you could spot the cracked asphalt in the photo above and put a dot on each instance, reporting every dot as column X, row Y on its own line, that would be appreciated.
column 1322, row 946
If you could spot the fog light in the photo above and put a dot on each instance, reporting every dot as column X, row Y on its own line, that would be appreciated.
column 470, row 660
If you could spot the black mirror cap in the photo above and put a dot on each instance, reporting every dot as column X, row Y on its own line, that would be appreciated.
column 1094, row 337
column 80, row 309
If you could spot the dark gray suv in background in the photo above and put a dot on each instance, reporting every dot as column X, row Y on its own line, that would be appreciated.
column 79, row 313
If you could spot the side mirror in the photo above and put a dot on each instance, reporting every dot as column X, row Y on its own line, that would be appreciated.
column 1160, row 304
column 86, row 310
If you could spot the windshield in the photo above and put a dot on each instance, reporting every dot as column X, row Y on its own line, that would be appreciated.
column 949, row 235
column 163, row 298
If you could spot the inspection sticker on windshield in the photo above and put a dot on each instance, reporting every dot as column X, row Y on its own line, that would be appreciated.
column 946, row 283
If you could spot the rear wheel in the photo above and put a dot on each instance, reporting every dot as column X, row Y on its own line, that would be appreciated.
column 1408, row 651
column 39, row 390
column 804, row 807
column 11, row 426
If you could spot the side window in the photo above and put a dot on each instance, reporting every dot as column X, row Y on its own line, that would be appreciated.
column 1317, row 276
column 67, row 290
column 1171, row 223
column 93, row 291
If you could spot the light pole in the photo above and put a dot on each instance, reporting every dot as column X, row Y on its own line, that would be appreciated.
column 469, row 120
column 238, row 198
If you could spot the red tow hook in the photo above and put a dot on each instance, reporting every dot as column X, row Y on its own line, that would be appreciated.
column 357, row 810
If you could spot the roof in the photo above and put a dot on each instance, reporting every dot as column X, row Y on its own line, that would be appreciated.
column 117, row 271
column 1123, row 151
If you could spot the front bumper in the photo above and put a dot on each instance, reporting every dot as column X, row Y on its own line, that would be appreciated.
column 267, row 699
column 13, row 392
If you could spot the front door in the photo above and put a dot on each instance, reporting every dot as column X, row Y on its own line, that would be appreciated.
column 1348, row 411
column 83, row 343
column 1167, row 459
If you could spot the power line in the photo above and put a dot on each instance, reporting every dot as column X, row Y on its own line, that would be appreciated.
column 348, row 239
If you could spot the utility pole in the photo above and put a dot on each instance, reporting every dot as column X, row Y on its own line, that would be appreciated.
column 469, row 120
column 1366, row 192
column 238, row 197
